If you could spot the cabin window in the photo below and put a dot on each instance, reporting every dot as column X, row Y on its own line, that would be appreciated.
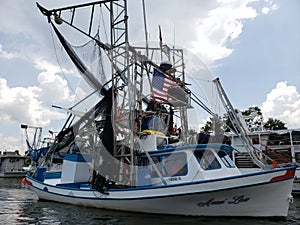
column 226, row 159
column 207, row 159
column 161, row 142
column 157, row 161
column 174, row 165
column 168, row 164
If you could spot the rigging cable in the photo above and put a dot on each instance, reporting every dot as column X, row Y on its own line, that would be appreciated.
column 103, row 24
column 57, row 59
column 56, row 56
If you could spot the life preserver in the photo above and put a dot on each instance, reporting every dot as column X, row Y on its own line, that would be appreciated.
column 149, row 132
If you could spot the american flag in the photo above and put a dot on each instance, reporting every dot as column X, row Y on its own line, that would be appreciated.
column 161, row 84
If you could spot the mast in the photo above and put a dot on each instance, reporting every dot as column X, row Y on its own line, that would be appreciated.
column 131, row 68
column 145, row 28
column 292, row 146
column 237, row 125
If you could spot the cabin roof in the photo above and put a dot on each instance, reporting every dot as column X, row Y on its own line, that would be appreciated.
column 217, row 147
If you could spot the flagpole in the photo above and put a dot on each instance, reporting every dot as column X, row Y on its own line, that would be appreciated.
column 160, row 42
column 145, row 27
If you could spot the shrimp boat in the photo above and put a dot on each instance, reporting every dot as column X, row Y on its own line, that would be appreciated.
column 11, row 164
column 127, row 152
column 37, row 149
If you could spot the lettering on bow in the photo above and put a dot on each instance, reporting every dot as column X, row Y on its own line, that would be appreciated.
column 234, row 200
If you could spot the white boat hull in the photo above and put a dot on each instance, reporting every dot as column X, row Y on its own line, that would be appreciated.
column 263, row 194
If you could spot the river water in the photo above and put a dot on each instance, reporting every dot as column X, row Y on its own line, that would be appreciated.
column 20, row 206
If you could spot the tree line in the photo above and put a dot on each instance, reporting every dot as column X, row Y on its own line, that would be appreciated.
column 253, row 120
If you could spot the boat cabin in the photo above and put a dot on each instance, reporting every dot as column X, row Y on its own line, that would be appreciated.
column 11, row 164
column 172, row 165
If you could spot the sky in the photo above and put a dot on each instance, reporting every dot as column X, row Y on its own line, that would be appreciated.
column 251, row 45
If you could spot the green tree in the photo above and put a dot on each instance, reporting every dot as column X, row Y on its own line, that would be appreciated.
column 253, row 117
column 208, row 126
column 215, row 124
column 274, row 124
column 252, row 110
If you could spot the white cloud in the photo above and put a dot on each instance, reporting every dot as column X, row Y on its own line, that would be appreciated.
column 222, row 25
column 53, row 88
column 265, row 10
column 9, row 143
column 270, row 6
column 283, row 103
column 205, row 27
column 24, row 105
column 18, row 103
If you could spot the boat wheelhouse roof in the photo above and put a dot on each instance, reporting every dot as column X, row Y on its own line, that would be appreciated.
column 8, row 154
column 217, row 147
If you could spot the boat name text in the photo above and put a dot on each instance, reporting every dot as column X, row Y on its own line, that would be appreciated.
column 234, row 200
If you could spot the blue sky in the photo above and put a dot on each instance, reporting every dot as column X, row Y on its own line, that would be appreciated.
column 252, row 45
column 267, row 52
